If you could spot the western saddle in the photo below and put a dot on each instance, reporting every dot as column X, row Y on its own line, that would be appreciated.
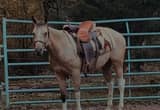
column 88, row 44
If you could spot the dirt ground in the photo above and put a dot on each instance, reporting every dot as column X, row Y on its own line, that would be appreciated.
column 128, row 107
column 101, row 106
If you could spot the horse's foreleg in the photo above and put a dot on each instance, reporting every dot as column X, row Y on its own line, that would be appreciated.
column 76, row 83
column 64, row 102
column 62, row 84
column 77, row 96
column 63, row 96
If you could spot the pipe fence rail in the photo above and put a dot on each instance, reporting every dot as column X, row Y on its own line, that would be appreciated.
column 129, row 60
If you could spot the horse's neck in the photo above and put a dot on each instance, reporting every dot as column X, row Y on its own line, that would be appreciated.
column 55, row 39
column 58, row 42
column 62, row 49
column 55, row 33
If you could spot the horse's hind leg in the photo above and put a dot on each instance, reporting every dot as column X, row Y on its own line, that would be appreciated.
column 118, row 65
column 110, row 83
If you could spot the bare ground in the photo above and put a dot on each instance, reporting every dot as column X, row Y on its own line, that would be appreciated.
column 128, row 106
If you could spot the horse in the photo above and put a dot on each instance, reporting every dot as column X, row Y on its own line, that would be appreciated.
column 65, row 62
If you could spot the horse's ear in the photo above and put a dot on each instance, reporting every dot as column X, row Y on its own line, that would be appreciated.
column 45, row 19
column 34, row 20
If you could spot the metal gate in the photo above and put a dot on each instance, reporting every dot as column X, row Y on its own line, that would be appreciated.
column 129, row 34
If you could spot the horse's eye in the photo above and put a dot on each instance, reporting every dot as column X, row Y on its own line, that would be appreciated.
column 33, row 34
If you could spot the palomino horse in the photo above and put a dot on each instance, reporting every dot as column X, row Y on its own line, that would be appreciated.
column 65, row 61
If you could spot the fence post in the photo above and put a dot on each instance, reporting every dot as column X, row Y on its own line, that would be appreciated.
column 5, row 62
column 128, row 55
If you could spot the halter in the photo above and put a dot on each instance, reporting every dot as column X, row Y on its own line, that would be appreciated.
column 40, row 41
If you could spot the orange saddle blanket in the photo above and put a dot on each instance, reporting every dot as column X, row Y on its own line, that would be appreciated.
column 84, row 29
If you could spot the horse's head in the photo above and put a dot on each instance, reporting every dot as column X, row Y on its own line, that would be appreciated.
column 40, row 36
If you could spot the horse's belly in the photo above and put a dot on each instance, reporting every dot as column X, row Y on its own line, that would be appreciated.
column 101, row 61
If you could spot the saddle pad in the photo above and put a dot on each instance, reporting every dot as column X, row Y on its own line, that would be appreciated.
column 84, row 29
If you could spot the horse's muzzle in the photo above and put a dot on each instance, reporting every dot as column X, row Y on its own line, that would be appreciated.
column 39, row 51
